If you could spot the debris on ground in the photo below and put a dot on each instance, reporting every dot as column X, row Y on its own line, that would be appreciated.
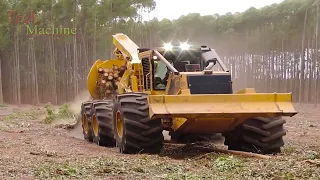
column 31, row 148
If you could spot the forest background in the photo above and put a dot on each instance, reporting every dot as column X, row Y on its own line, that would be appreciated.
column 272, row 49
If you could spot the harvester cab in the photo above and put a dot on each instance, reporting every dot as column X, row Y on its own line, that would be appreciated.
column 144, row 91
column 186, row 58
column 201, row 59
column 194, row 67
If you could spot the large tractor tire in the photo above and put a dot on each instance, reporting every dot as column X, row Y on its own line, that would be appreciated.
column 102, row 123
column 134, row 131
column 86, row 121
column 257, row 135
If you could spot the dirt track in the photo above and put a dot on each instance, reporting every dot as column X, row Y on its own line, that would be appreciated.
column 30, row 149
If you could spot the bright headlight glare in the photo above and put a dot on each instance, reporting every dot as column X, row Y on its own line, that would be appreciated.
column 167, row 46
column 184, row 46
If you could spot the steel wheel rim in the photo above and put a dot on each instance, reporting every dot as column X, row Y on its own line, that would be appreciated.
column 119, row 124
column 85, row 124
column 95, row 125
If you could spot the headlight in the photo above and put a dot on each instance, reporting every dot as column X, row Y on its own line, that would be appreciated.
column 184, row 46
column 168, row 46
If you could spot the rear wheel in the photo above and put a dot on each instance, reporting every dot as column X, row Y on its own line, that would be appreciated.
column 86, row 121
column 134, row 131
column 102, row 124
column 258, row 135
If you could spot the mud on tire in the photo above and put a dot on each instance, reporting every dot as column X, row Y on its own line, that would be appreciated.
column 258, row 135
column 86, row 121
column 139, row 132
column 102, row 123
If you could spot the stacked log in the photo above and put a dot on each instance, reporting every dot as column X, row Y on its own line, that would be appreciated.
column 108, row 80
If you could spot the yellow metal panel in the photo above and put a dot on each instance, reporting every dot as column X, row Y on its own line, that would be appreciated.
column 92, row 79
column 145, row 54
column 178, row 122
column 183, row 82
column 222, row 105
column 124, row 82
column 169, row 81
column 127, row 46
column 246, row 91
column 218, row 113
column 173, row 87
column 184, row 88
column 157, row 92
column 134, row 83
column 212, row 125
column 110, row 63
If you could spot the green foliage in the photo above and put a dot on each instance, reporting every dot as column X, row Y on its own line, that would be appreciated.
column 288, row 150
column 283, row 17
column 313, row 155
column 4, row 25
column 50, row 114
column 63, row 112
column 142, row 166
column 57, row 170
column 3, row 105
column 278, row 27
column 21, row 115
column 225, row 164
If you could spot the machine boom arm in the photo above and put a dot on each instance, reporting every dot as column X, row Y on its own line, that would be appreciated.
column 127, row 47
column 171, row 68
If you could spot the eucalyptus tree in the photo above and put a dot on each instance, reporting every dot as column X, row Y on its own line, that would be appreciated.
column 272, row 48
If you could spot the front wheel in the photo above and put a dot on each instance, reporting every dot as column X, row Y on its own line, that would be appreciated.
column 258, row 135
column 133, row 129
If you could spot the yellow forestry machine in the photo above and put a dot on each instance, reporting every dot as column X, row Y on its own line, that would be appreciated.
column 144, row 91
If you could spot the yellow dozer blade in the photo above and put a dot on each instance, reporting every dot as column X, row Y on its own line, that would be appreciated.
column 221, row 112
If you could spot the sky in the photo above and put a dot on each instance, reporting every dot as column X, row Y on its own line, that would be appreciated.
column 173, row 9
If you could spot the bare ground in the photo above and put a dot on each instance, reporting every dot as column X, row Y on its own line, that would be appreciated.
column 31, row 149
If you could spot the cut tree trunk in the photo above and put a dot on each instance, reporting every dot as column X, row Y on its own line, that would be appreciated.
column 108, row 81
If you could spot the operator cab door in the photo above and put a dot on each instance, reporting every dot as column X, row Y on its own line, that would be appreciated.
column 146, row 70
column 154, row 72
